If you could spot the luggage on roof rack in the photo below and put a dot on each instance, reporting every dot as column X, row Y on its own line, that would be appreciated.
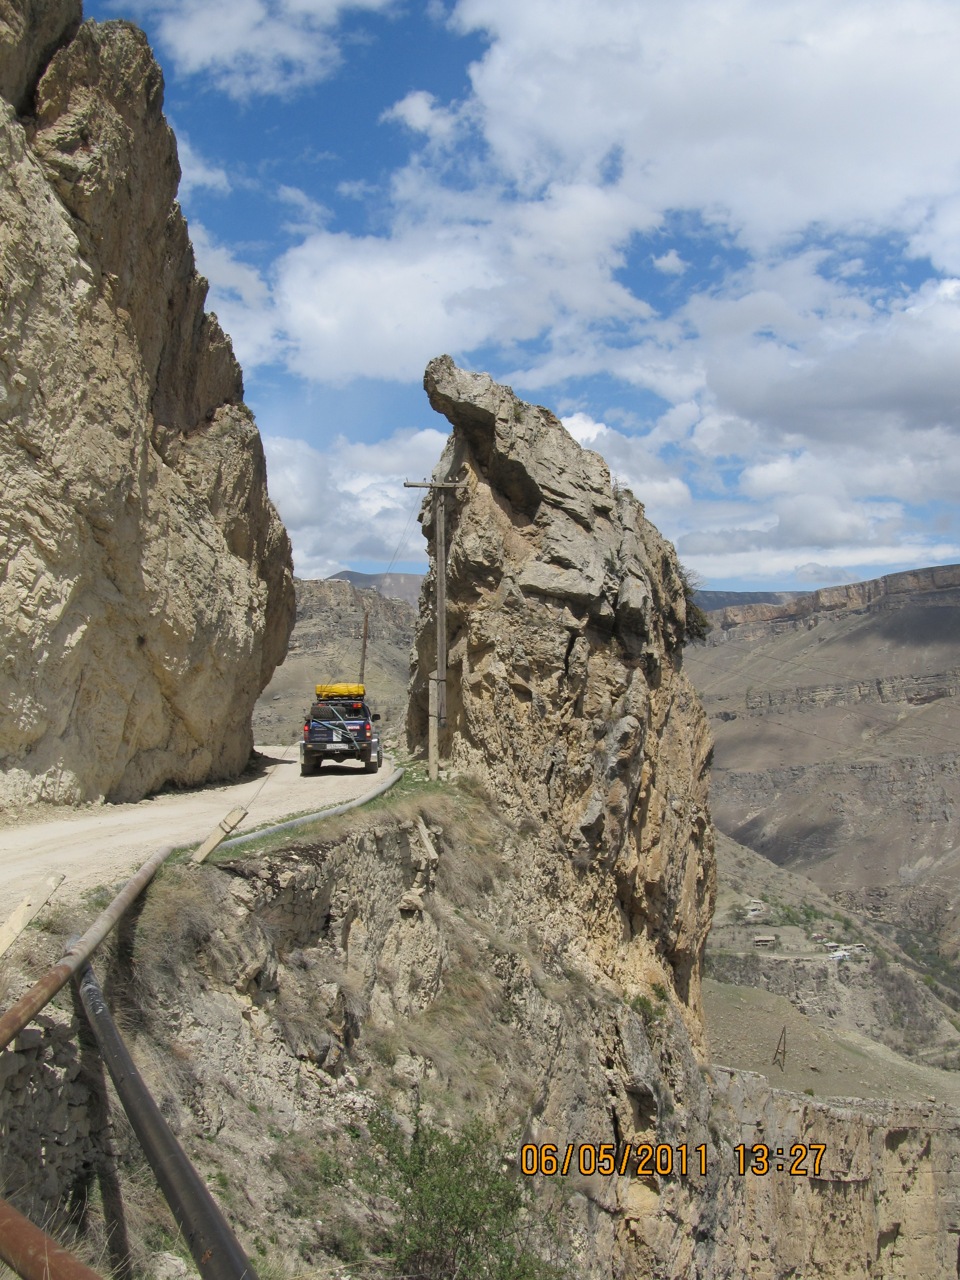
column 327, row 691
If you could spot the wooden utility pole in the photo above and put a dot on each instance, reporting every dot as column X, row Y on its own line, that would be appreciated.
column 780, row 1057
column 437, row 706
column 363, row 646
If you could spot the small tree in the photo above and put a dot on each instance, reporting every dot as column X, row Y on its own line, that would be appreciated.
column 698, row 625
column 459, row 1214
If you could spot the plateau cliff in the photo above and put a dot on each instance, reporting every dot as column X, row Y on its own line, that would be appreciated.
column 147, row 593
column 834, row 718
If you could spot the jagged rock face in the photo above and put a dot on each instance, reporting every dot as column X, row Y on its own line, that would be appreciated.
column 147, row 594
column 565, row 619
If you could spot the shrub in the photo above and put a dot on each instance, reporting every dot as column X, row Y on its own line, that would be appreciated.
column 649, row 1011
column 459, row 1213
column 698, row 625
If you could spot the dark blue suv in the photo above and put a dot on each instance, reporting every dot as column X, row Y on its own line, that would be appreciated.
column 340, row 729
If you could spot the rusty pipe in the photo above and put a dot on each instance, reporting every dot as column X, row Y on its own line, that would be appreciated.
column 32, row 1254
column 215, row 1248
column 79, row 952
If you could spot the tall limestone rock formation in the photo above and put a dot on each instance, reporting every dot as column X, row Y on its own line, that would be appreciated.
column 565, row 616
column 146, row 594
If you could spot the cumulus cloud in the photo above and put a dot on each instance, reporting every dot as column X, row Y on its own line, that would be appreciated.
column 249, row 47
column 196, row 172
column 584, row 429
column 720, row 211
column 670, row 263
column 382, row 305
column 308, row 213
column 346, row 503
column 772, row 117
column 420, row 112
column 241, row 298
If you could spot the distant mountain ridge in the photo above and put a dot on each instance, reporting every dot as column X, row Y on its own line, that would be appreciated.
column 395, row 586
column 837, row 751
column 936, row 584
column 709, row 601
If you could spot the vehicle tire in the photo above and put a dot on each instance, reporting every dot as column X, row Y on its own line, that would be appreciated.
column 369, row 764
column 307, row 766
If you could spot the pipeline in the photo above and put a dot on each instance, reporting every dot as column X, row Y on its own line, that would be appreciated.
column 32, row 1254
column 79, row 952
column 215, row 1248
column 235, row 841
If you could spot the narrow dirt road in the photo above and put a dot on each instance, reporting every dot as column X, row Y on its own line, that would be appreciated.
column 102, row 843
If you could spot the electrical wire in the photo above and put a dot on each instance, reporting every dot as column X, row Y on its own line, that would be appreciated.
column 403, row 537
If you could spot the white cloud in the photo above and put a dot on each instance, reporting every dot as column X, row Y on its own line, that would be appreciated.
column 771, row 116
column 252, row 46
column 820, row 573
column 311, row 213
column 419, row 111
column 346, row 503
column 670, row 263
column 763, row 164
column 241, row 299
column 369, row 306
column 383, row 305
column 850, row 563
column 196, row 172
column 584, row 429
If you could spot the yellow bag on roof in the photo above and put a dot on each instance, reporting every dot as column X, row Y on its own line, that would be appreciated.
column 325, row 691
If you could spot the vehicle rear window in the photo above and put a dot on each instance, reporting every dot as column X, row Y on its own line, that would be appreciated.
column 339, row 710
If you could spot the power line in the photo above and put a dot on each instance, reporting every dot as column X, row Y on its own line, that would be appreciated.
column 403, row 537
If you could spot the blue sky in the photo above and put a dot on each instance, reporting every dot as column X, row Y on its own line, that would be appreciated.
column 720, row 238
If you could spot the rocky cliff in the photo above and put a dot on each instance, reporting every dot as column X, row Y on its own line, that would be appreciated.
column 565, row 619
column 147, row 588
column 521, row 944
column 415, row 960
column 939, row 584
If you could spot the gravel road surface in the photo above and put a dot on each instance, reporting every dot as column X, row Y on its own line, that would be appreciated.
column 100, row 844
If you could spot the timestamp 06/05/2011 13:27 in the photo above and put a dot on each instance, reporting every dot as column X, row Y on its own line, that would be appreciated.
column 644, row 1159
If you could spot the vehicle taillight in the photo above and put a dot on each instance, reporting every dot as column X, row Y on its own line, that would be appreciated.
column 306, row 729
